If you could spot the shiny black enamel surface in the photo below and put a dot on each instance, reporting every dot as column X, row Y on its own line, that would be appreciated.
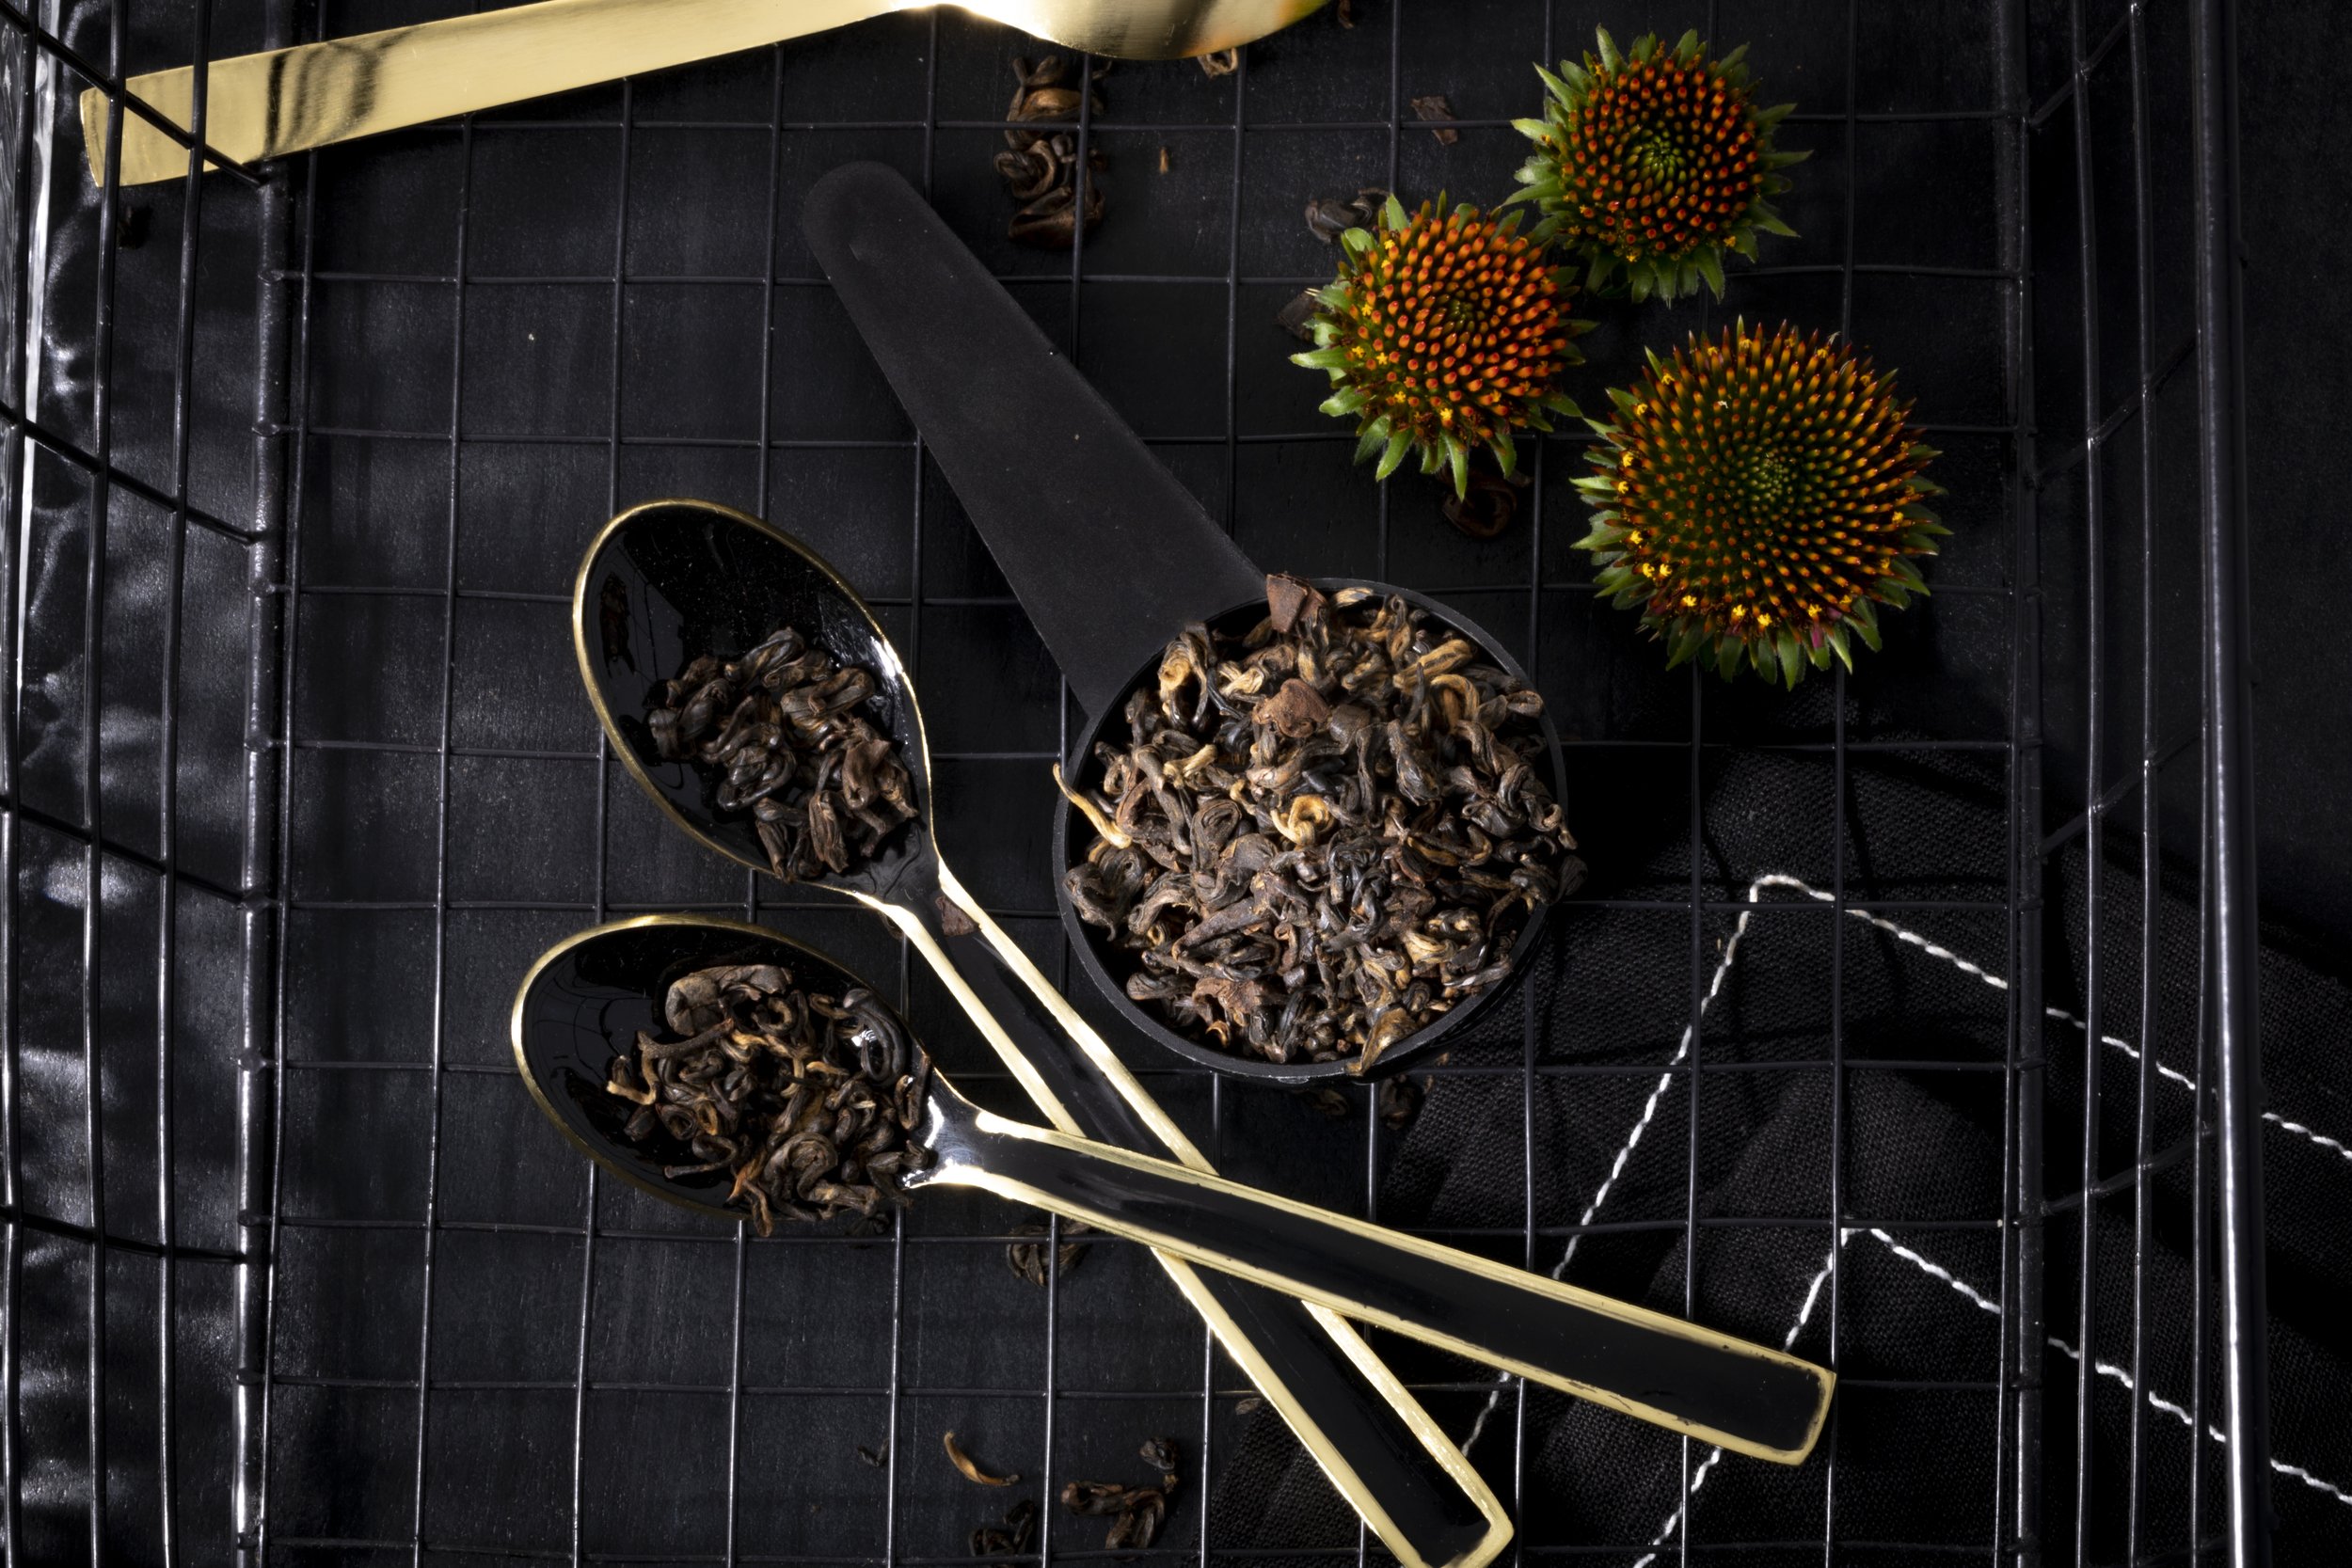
column 1110, row 966
column 586, row 1001
column 1685, row 1374
column 672, row 581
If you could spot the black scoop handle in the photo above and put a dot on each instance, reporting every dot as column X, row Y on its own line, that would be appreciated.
column 1107, row 552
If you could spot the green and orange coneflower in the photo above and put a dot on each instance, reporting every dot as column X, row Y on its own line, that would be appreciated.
column 1444, row 333
column 1759, row 496
column 1654, row 161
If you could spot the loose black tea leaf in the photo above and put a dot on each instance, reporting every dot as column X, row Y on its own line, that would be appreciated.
column 1399, row 1100
column 1326, row 1100
column 971, row 1469
column 782, row 729
column 1136, row 1512
column 876, row 1457
column 1160, row 1453
column 1345, row 11
column 1138, row 1524
column 1297, row 317
column 1492, row 501
column 808, row 1101
column 1012, row 1537
column 1026, row 1258
column 1434, row 106
column 1319, row 838
column 1041, row 168
column 1329, row 216
column 1094, row 1498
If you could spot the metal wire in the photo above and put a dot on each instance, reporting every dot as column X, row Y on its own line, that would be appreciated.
column 2106, row 81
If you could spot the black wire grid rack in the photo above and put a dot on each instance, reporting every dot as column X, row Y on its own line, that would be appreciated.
column 298, row 778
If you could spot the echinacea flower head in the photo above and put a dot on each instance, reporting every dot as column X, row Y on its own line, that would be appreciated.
column 1444, row 332
column 1759, row 495
column 1653, row 162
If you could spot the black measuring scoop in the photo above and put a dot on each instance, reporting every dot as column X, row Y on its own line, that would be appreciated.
column 586, row 999
column 1111, row 555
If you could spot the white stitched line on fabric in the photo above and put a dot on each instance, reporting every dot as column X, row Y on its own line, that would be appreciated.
column 1933, row 950
column 1805, row 1315
column 2104, row 1368
column 1625, row 1151
column 1938, row 1270
column 1714, row 987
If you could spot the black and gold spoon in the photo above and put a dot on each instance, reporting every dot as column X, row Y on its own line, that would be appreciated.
column 587, row 998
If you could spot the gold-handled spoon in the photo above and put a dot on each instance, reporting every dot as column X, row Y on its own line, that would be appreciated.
column 284, row 101
column 588, row 998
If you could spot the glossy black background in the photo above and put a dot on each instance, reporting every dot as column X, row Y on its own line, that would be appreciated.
column 448, row 814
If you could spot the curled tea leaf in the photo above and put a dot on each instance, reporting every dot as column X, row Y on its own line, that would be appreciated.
column 971, row 1469
column 1010, row 1538
column 1026, row 1258
column 1434, row 106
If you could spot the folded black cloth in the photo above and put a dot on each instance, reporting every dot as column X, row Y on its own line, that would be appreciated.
column 1915, row 1283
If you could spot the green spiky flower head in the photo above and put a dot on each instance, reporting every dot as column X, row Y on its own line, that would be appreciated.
column 1655, row 161
column 1758, row 496
column 1443, row 333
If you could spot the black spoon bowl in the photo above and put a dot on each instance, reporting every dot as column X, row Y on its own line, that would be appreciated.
column 583, row 1003
column 586, row 998
column 670, row 581
column 1109, row 965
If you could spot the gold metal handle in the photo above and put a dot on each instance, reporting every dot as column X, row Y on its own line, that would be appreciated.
column 315, row 94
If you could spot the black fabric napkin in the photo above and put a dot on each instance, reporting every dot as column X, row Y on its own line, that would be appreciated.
column 1916, row 1282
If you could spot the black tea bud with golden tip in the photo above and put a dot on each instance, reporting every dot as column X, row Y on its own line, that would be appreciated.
column 1656, row 161
column 1759, row 495
column 1443, row 334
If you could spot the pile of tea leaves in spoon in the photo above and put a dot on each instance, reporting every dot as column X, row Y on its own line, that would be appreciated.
column 807, row 1102
column 783, row 730
column 1321, row 836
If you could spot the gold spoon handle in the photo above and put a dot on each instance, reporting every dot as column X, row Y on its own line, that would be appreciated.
column 287, row 100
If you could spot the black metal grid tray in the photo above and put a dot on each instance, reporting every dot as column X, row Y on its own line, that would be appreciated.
column 293, row 1272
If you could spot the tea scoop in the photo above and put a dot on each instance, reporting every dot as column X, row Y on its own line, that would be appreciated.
column 588, row 997
column 670, row 581
column 1108, row 552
